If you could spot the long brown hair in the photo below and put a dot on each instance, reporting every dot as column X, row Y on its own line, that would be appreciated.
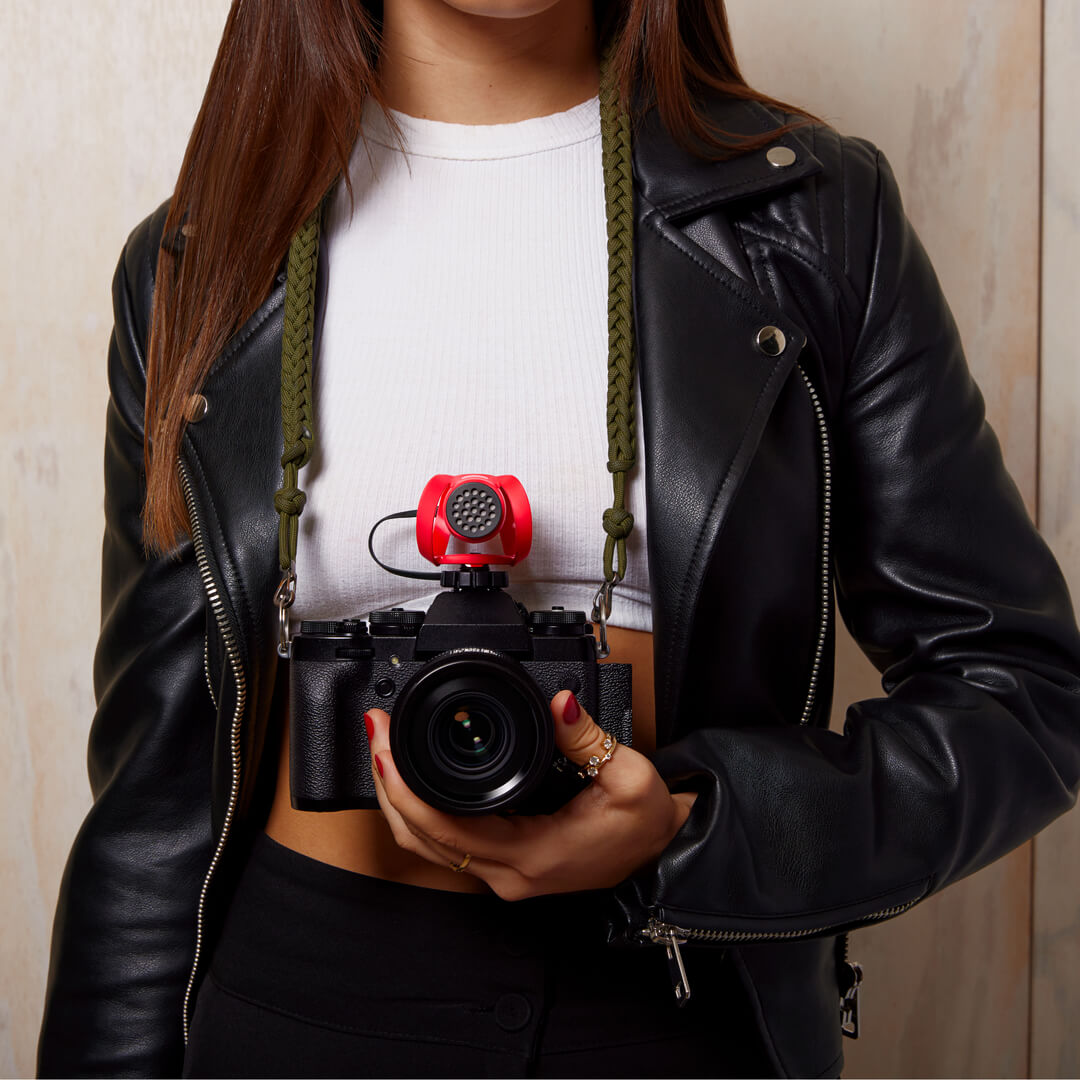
column 276, row 128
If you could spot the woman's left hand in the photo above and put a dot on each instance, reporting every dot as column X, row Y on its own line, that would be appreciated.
column 620, row 822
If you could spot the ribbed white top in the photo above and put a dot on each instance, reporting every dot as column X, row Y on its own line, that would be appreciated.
column 465, row 330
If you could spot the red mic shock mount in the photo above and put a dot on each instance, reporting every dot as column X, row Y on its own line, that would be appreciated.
column 475, row 508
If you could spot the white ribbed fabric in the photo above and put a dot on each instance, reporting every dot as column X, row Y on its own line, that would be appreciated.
column 465, row 330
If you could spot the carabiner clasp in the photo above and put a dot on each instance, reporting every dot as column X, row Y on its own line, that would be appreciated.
column 284, row 599
column 601, row 612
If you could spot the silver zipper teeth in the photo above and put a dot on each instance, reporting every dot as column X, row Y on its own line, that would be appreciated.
column 826, row 590
column 661, row 932
column 233, row 654
column 206, row 668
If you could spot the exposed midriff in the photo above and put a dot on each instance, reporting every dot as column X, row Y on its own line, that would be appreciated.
column 361, row 840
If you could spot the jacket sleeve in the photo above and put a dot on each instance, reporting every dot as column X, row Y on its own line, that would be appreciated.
column 948, row 588
column 124, row 929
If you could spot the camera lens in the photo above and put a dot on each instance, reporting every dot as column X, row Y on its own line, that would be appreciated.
column 471, row 733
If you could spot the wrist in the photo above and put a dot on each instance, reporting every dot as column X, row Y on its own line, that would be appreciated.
column 681, row 804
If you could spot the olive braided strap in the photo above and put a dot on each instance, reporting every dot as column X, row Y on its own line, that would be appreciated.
column 619, row 195
column 297, row 420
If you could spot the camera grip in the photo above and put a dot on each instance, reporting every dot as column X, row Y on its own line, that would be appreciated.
column 616, row 715
column 329, row 757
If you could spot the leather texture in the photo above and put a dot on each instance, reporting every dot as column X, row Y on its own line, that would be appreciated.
column 800, row 832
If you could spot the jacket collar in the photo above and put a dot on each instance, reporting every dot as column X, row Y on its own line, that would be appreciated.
column 707, row 392
column 681, row 184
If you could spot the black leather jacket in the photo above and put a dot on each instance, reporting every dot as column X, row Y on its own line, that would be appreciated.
column 854, row 457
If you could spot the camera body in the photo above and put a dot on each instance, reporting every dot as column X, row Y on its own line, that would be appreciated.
column 468, row 686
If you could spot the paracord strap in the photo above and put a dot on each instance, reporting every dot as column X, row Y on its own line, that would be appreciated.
column 297, row 420
column 622, row 441
column 296, row 379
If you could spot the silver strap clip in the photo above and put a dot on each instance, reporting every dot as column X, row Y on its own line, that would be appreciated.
column 601, row 612
column 284, row 599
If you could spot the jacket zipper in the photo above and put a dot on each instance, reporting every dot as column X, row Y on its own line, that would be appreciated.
column 850, row 977
column 826, row 579
column 206, row 669
column 671, row 937
column 232, row 651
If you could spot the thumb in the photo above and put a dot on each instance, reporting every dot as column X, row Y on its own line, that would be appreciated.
column 576, row 734
column 377, row 724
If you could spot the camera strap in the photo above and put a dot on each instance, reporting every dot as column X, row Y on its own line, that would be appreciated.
column 297, row 407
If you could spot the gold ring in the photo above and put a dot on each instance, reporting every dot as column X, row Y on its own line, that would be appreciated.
column 459, row 867
column 596, row 762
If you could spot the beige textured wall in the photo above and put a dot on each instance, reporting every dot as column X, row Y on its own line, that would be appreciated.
column 1056, row 901
column 100, row 96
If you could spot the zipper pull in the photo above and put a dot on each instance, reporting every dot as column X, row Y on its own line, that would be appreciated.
column 849, row 1004
column 662, row 934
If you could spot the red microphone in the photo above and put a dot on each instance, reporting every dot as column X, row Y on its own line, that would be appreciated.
column 474, row 507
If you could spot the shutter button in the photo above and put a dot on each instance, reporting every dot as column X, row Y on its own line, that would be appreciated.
column 512, row 1012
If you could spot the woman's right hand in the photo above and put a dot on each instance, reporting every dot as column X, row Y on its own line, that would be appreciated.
column 615, row 826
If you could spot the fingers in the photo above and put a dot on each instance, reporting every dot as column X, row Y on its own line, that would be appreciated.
column 488, row 837
column 405, row 838
column 506, row 881
column 623, row 779
column 576, row 733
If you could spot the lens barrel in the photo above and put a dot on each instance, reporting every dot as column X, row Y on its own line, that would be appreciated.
column 471, row 733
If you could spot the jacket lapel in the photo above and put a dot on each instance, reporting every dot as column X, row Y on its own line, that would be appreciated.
column 707, row 388
column 680, row 184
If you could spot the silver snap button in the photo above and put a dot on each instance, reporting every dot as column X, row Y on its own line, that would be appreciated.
column 780, row 156
column 196, row 408
column 770, row 340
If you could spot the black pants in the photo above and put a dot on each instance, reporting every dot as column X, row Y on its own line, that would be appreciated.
column 323, row 972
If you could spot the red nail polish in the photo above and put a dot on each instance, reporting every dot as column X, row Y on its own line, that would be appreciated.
column 378, row 764
column 369, row 726
column 571, row 710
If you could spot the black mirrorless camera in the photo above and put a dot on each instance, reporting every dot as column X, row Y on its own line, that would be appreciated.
column 467, row 683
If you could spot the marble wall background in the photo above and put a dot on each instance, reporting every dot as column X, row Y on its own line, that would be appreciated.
column 99, row 97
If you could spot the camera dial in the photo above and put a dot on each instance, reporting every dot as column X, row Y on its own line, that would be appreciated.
column 397, row 622
column 558, row 622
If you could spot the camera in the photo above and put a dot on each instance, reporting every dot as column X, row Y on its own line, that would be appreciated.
column 467, row 683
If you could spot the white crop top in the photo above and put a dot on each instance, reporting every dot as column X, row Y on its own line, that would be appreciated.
column 465, row 330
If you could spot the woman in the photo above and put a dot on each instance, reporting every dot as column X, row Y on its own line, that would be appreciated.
column 807, row 417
